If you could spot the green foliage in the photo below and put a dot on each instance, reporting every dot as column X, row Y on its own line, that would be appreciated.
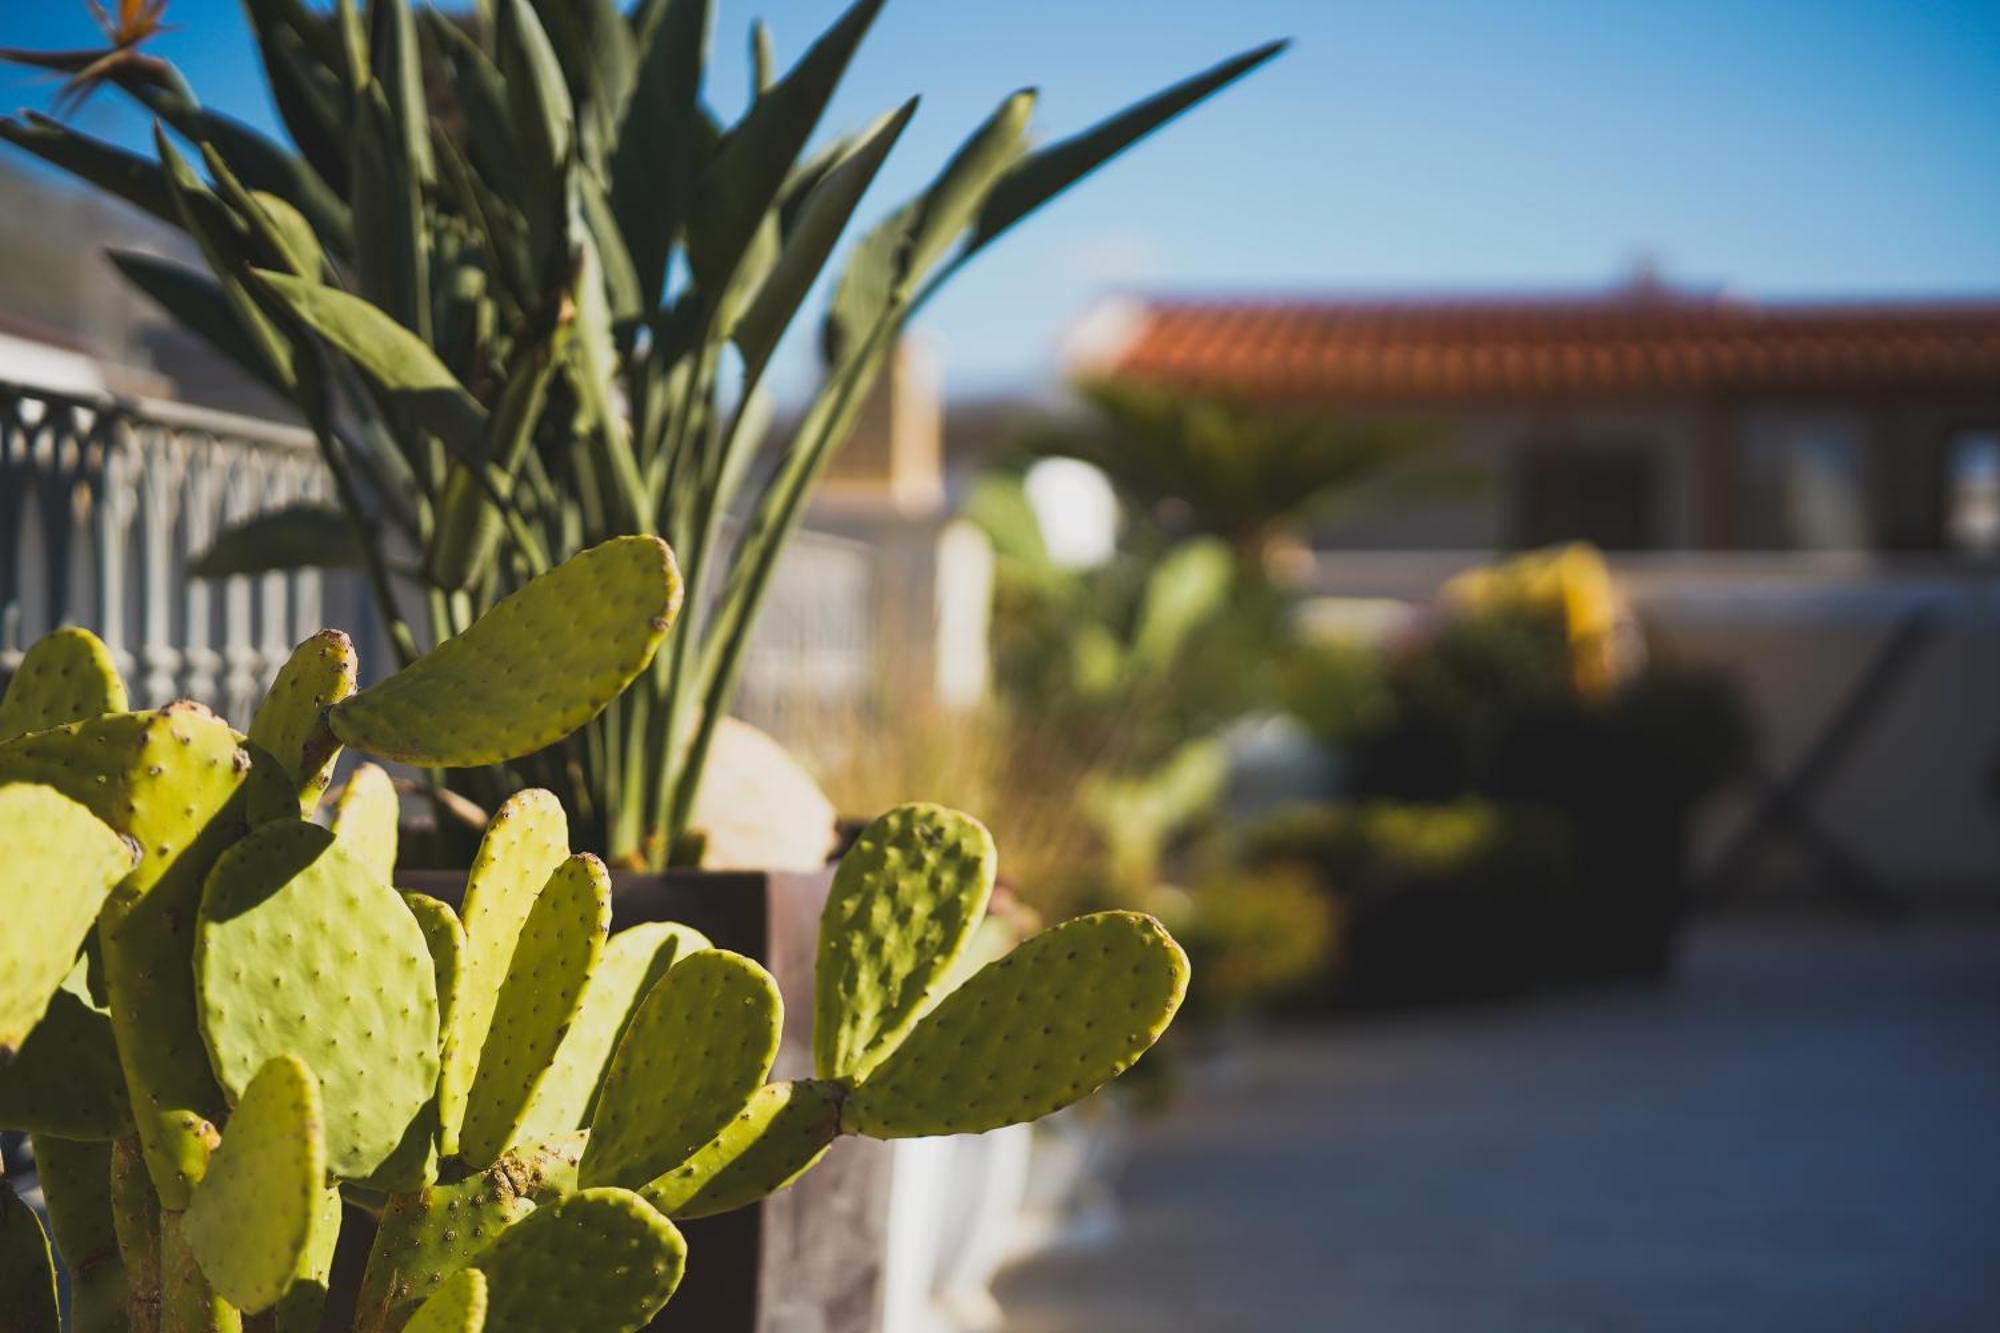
column 499, row 270
column 27, row 1273
column 67, row 676
column 524, row 1103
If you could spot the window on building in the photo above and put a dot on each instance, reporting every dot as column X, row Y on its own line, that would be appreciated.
column 1972, row 493
column 1607, row 494
column 1802, row 486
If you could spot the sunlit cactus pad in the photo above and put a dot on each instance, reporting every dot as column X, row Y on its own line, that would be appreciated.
column 540, row 664
column 459, row 1306
column 302, row 951
column 291, row 721
column 602, row 1259
column 251, row 1223
column 786, row 1128
column 364, row 820
column 67, row 676
column 62, row 862
column 1031, row 1033
column 904, row 900
column 697, row 1049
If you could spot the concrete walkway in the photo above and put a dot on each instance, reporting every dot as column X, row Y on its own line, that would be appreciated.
column 1803, row 1136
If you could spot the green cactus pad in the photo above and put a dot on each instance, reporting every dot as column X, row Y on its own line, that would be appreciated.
column 459, row 1306
column 291, row 720
column 304, row 1306
column 188, row 1300
column 633, row 960
column 27, row 1271
column 61, row 862
column 1067, row 1011
column 540, row 664
column 905, row 899
column 527, row 838
column 251, row 1222
column 76, row 1185
column 365, row 815
column 166, row 779
column 445, row 938
column 602, row 1259
column 66, row 1080
column 301, row 950
column 67, row 676
column 698, row 1047
column 559, row 946
column 428, row 1235
column 786, row 1128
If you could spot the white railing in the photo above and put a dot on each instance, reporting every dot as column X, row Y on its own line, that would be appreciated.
column 104, row 503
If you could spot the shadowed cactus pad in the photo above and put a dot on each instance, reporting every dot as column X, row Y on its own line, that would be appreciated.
column 785, row 1129
column 364, row 819
column 558, row 946
column 27, row 1272
column 459, row 1306
column 633, row 961
column 65, row 1080
column 527, row 838
column 302, row 951
column 76, row 1189
column 698, row 1047
column 1065, row 1012
column 61, row 862
column 540, row 664
column 904, row 900
column 251, row 1222
column 602, row 1259
column 291, row 720
column 67, row 676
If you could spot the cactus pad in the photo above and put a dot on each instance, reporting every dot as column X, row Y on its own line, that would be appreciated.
column 633, row 960
column 27, row 1271
column 291, row 720
column 905, row 899
column 76, row 1186
column 427, row 1236
column 251, row 1223
column 601, row 1259
column 540, row 664
column 67, row 676
column 527, row 838
column 777, row 1138
column 559, row 945
column 303, row 1308
column 445, row 938
column 161, row 778
column 1029, row 1034
column 459, row 1306
column 364, row 820
column 302, row 951
column 66, row 1080
column 698, row 1047
column 61, row 862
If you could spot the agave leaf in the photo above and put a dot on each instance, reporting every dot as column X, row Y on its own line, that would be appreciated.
column 653, row 166
column 543, row 116
column 261, row 165
column 392, row 245
column 111, row 169
column 750, row 165
column 599, row 59
column 822, row 218
column 306, row 535
column 197, row 300
column 397, row 64
column 300, row 58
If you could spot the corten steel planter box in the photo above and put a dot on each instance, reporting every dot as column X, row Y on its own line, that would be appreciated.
column 808, row 1258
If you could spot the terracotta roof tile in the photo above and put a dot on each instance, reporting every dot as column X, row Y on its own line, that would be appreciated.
column 1614, row 345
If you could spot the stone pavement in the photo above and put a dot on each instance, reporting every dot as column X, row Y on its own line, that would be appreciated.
column 1801, row 1136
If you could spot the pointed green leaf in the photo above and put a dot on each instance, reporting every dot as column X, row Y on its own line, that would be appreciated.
column 305, row 535
column 197, row 301
column 658, row 144
column 111, row 169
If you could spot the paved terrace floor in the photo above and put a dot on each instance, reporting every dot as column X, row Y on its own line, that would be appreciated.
column 1802, row 1136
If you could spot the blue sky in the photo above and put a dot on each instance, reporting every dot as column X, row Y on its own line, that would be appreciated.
column 1839, row 148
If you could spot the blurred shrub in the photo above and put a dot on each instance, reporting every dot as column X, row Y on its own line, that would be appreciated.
column 1254, row 939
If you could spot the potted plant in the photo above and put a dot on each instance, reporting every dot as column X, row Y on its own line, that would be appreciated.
column 239, row 1048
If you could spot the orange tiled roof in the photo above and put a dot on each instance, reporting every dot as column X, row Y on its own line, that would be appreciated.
column 1633, row 344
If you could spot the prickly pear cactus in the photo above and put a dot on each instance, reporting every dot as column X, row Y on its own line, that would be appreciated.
column 291, row 721
column 67, row 676
column 602, row 1259
column 540, row 664
column 1049, row 1023
column 364, row 821
column 697, row 1050
column 459, row 1306
column 27, row 1272
column 63, row 864
column 903, row 903
column 559, row 945
column 65, row 1080
column 250, row 1225
column 302, row 951
column 778, row 1137
column 76, row 1184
